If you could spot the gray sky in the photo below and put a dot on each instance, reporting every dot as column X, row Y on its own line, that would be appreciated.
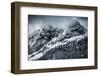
column 38, row 21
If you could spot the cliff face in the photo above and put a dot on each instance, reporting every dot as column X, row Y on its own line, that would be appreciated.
column 57, row 43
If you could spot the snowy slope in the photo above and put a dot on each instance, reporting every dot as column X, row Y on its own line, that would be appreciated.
column 56, row 43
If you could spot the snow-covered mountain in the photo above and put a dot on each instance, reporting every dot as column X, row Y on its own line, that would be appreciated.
column 57, row 43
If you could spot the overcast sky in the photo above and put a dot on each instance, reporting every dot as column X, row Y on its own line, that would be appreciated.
column 38, row 21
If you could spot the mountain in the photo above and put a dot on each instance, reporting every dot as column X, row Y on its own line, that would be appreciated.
column 57, row 43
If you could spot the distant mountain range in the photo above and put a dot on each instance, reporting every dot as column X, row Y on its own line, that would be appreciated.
column 51, row 43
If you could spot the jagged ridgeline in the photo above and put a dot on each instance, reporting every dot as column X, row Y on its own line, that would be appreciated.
column 51, row 43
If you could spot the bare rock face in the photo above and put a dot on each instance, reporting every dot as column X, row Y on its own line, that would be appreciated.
column 51, row 43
